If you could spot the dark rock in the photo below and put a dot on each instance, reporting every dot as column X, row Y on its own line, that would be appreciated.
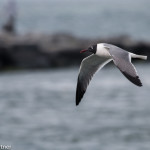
column 5, row 58
column 58, row 50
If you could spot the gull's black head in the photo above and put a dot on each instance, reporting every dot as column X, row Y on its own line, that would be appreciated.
column 92, row 49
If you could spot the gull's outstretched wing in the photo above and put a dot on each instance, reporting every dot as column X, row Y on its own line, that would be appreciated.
column 88, row 67
column 122, row 60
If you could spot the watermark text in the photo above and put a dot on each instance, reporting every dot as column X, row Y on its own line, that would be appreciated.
column 5, row 147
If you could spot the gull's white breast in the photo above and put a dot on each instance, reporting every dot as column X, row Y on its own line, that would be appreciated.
column 102, row 51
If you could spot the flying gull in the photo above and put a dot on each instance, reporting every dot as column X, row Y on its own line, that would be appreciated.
column 103, row 53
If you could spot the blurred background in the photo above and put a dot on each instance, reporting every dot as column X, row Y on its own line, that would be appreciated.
column 40, row 41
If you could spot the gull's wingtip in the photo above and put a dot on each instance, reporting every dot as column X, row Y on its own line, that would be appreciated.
column 79, row 92
column 140, row 85
column 78, row 98
column 77, row 103
column 138, row 82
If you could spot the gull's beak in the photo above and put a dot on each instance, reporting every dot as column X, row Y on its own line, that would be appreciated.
column 82, row 51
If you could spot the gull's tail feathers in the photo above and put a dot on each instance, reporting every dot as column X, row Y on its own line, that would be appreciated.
column 138, row 56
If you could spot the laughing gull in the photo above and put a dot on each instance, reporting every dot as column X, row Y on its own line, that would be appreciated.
column 103, row 53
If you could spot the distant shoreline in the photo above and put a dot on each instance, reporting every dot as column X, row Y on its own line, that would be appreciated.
column 35, row 51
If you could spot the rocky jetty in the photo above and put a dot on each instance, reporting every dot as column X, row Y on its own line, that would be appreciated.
column 57, row 50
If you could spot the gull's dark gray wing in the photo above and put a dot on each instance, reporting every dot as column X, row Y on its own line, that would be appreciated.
column 88, row 67
column 122, row 60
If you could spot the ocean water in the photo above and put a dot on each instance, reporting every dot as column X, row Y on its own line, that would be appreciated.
column 37, row 111
column 84, row 18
